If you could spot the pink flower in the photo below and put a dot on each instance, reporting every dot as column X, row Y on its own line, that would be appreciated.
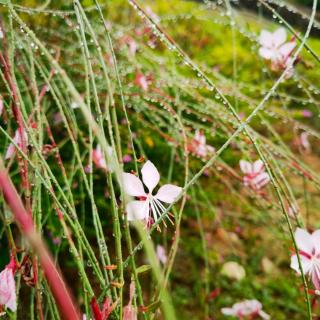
column 1, row 105
column 198, row 145
column 132, row 45
column 152, row 15
column 129, row 311
column 250, row 308
column 275, row 48
column 127, row 158
column 99, row 159
column 141, row 81
column 8, row 296
column 304, row 142
column 307, row 113
column 148, row 203
column 161, row 254
column 309, row 252
column 18, row 141
column 255, row 176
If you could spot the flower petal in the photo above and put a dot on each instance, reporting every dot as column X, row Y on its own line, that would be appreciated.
column 316, row 240
column 304, row 240
column 228, row 311
column 245, row 167
column 279, row 37
column 132, row 185
column 137, row 210
column 266, row 53
column 306, row 264
column 168, row 193
column 265, row 38
column 261, row 180
column 286, row 49
column 257, row 166
column 150, row 175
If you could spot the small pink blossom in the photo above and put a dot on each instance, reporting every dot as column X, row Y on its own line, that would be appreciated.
column 161, row 254
column 127, row 158
column 309, row 252
column 129, row 311
column 18, row 141
column 304, row 142
column 148, row 203
column 275, row 48
column 152, row 15
column 141, row 81
column 246, row 308
column 99, row 159
column 307, row 113
column 1, row 105
column 198, row 145
column 132, row 45
column 254, row 174
column 8, row 296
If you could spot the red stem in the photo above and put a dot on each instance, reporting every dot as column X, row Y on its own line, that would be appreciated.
column 58, row 287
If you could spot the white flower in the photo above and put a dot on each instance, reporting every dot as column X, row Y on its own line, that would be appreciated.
column 254, row 174
column 275, row 48
column 198, row 145
column 140, row 209
column 309, row 252
column 246, row 308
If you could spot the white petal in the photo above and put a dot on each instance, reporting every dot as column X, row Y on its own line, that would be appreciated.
column 137, row 210
column 265, row 38
column 279, row 37
column 150, row 175
column 132, row 185
column 264, row 315
column 257, row 166
column 266, row 53
column 306, row 264
column 286, row 49
column 228, row 311
column 304, row 240
column 245, row 167
column 316, row 240
column 168, row 193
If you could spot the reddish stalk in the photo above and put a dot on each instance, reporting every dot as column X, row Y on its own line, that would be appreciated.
column 63, row 298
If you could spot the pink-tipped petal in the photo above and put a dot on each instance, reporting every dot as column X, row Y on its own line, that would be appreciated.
column 132, row 185
column 168, row 193
column 261, row 180
column 137, row 210
column 150, row 175
column 287, row 48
